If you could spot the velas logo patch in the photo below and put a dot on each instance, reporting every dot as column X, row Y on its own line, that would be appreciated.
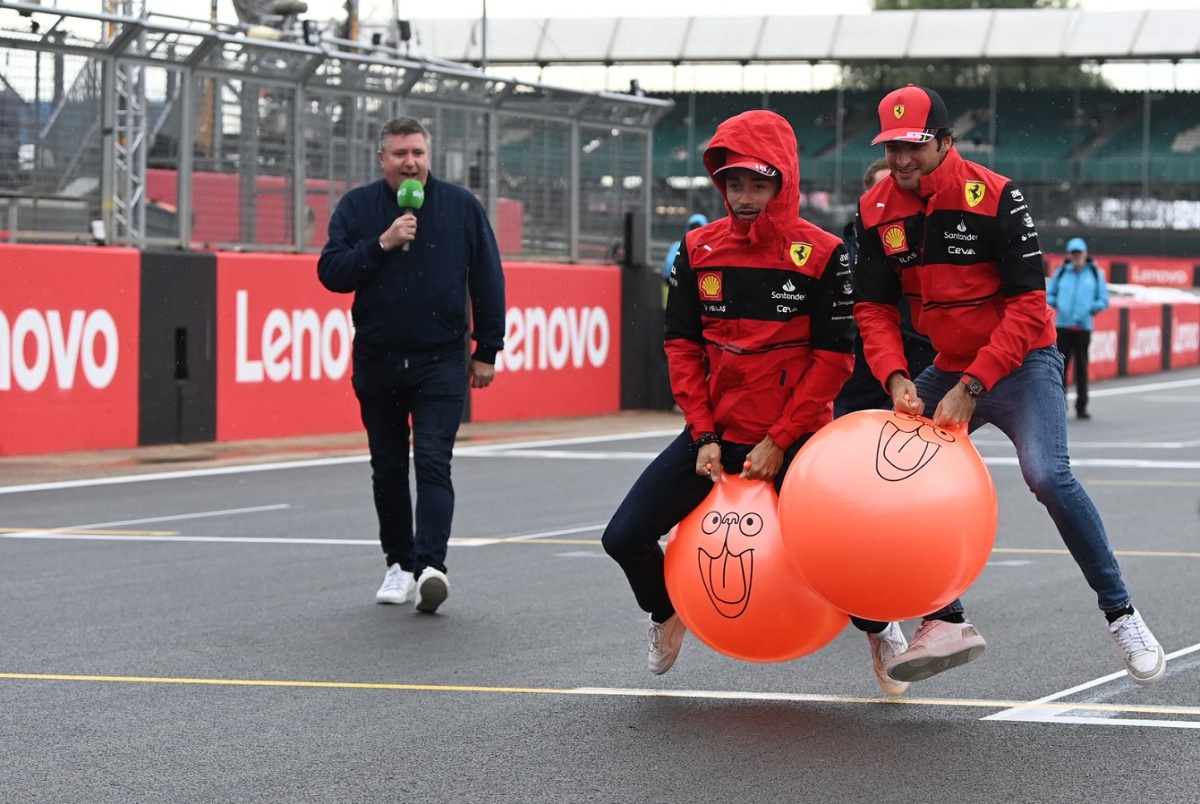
column 894, row 239
column 709, row 283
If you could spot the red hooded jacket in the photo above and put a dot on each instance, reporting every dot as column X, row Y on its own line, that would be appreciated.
column 759, row 331
column 964, row 251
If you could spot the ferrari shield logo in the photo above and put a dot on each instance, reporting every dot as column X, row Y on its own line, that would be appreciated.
column 898, row 110
column 800, row 253
column 975, row 191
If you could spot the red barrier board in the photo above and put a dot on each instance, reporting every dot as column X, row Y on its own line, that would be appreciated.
column 218, row 218
column 1161, row 271
column 1144, row 337
column 283, row 349
column 1185, row 335
column 562, row 344
column 68, row 348
column 1105, row 346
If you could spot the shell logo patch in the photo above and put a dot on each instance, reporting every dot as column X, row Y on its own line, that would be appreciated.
column 710, row 286
column 898, row 110
column 975, row 191
column 800, row 252
column 894, row 239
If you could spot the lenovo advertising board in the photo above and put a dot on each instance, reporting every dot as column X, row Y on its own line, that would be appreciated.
column 1185, row 335
column 283, row 349
column 562, row 344
column 68, row 348
column 1105, row 346
column 1142, row 332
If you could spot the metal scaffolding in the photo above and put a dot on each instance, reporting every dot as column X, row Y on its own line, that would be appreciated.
column 194, row 133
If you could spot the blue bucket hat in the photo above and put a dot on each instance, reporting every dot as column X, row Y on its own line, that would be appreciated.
column 1076, row 244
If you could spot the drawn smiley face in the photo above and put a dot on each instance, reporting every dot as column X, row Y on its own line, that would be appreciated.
column 907, row 444
column 728, row 576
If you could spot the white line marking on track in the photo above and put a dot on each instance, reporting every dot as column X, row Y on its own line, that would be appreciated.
column 88, row 537
column 566, row 455
column 1108, row 463
column 183, row 474
column 1041, row 711
column 75, row 534
column 176, row 517
column 1141, row 388
column 70, row 531
column 473, row 450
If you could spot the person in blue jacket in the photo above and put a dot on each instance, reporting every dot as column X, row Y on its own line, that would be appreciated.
column 1077, row 292
column 414, row 277
column 694, row 222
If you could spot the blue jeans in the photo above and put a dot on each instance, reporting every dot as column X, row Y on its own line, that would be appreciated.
column 431, row 390
column 1029, row 406
column 666, row 492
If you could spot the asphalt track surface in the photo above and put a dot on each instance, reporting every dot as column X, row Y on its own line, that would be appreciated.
column 207, row 633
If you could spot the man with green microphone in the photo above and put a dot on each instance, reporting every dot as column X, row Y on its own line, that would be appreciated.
column 420, row 257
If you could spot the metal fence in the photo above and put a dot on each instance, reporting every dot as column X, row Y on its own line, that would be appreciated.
column 154, row 130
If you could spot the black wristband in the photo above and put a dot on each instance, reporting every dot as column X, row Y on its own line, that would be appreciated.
column 706, row 438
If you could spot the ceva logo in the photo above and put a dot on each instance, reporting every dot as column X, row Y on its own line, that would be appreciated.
column 37, row 341
column 535, row 339
column 288, row 342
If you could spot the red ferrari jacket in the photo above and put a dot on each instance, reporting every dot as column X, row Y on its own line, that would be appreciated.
column 964, row 251
column 759, row 329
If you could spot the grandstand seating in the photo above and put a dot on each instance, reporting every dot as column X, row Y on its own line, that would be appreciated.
column 1040, row 136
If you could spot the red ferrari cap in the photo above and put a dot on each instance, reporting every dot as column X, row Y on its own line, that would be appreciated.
column 911, row 114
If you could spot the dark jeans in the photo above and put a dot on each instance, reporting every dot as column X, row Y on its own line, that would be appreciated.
column 660, row 498
column 1074, row 343
column 431, row 391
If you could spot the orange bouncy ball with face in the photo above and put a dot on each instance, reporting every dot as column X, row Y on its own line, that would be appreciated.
column 733, row 585
column 886, row 516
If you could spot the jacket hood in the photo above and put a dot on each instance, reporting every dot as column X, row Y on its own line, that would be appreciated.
column 768, row 137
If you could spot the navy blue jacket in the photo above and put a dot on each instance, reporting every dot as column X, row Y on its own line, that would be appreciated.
column 415, row 303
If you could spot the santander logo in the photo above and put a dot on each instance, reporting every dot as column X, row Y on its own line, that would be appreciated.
column 35, row 342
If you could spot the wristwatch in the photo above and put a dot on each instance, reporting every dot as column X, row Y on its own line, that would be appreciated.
column 974, row 386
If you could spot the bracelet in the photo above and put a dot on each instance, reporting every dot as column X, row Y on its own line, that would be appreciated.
column 706, row 438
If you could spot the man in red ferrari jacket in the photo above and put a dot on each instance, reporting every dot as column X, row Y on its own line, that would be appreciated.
column 759, row 338
column 959, row 243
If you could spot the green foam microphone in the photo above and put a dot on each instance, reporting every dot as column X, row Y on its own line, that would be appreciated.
column 410, row 197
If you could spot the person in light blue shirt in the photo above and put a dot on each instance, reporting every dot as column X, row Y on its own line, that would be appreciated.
column 1077, row 292
column 694, row 222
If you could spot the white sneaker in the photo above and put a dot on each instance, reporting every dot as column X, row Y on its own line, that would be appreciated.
column 397, row 586
column 885, row 647
column 1144, row 658
column 432, row 589
column 665, row 641
column 937, row 646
